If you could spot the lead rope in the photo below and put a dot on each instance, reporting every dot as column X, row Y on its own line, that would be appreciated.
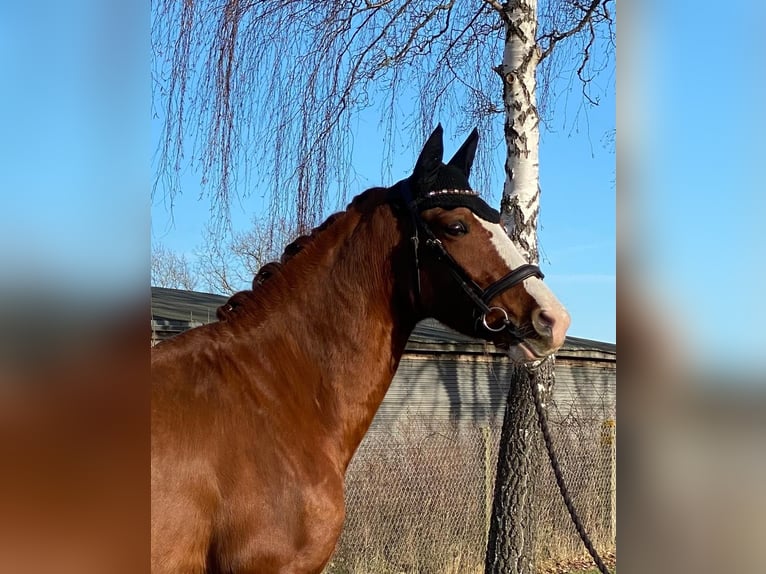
column 543, row 423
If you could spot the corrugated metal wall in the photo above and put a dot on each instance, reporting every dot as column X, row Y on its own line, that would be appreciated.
column 472, row 388
column 584, row 389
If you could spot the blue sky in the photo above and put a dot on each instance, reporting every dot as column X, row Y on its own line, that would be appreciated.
column 577, row 220
column 695, row 192
column 74, row 159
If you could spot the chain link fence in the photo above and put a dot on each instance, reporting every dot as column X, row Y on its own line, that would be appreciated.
column 419, row 495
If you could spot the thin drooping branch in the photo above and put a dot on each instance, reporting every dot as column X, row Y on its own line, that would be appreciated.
column 260, row 98
column 552, row 38
column 251, row 89
column 577, row 38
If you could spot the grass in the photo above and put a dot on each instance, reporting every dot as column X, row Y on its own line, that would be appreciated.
column 580, row 565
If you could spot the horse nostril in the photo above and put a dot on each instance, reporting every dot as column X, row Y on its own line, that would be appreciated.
column 552, row 325
column 544, row 321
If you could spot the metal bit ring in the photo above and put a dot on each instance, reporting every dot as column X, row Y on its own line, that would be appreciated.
column 493, row 329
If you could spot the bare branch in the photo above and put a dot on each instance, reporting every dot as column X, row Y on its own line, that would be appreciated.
column 229, row 266
column 497, row 7
column 462, row 32
column 376, row 4
column 554, row 37
column 585, row 57
column 577, row 38
column 171, row 270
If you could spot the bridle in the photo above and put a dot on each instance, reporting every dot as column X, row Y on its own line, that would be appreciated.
column 480, row 297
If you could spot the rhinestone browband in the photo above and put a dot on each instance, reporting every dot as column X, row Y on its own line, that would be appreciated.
column 451, row 192
column 449, row 198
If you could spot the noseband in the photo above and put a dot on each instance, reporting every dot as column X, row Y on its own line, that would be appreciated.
column 480, row 297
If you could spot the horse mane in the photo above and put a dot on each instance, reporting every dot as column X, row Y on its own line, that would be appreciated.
column 274, row 269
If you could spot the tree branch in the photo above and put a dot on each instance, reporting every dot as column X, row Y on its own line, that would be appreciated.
column 452, row 44
column 581, row 69
column 497, row 7
column 555, row 37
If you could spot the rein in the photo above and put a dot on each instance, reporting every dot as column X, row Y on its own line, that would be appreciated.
column 559, row 475
column 480, row 297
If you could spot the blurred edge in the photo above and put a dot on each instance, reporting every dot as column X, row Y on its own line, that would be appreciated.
column 691, row 467
column 74, row 296
column 74, row 437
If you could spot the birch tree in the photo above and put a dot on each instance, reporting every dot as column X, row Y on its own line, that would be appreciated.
column 264, row 95
column 511, row 544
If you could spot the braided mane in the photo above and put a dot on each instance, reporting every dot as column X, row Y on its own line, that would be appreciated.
column 272, row 268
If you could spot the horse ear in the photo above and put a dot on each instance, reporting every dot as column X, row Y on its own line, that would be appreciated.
column 463, row 158
column 429, row 161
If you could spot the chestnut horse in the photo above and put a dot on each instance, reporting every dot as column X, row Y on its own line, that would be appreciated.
column 256, row 417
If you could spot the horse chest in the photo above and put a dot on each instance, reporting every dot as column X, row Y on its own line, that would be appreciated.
column 286, row 523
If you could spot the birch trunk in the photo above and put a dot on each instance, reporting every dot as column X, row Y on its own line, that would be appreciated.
column 521, row 194
column 511, row 543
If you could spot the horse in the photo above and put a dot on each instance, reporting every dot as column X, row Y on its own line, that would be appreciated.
column 256, row 417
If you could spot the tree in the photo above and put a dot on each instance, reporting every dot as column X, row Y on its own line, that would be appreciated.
column 170, row 269
column 227, row 267
column 222, row 266
column 266, row 80
column 510, row 547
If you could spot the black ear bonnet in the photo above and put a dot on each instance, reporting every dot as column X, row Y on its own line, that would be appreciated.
column 436, row 184
column 449, row 190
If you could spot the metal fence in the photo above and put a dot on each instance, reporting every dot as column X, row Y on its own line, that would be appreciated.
column 418, row 496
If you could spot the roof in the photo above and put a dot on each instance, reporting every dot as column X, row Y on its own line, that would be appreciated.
column 177, row 306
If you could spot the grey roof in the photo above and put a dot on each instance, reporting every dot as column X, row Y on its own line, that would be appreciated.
column 175, row 306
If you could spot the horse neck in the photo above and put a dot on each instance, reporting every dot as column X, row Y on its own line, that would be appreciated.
column 348, row 320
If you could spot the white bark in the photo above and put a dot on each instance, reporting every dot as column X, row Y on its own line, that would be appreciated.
column 520, row 204
column 511, row 537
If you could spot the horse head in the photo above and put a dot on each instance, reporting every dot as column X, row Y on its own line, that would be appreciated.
column 468, row 273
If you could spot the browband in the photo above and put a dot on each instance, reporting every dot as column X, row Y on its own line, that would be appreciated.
column 452, row 198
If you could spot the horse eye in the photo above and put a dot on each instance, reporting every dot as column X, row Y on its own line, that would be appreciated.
column 456, row 228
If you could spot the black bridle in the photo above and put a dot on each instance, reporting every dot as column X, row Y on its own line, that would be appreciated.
column 480, row 297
